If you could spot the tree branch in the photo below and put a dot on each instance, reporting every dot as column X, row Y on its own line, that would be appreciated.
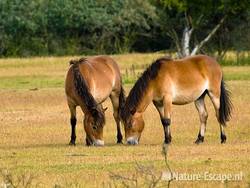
column 204, row 41
column 188, row 19
column 174, row 36
column 199, row 19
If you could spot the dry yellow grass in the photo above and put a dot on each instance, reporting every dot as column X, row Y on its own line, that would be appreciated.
column 58, row 65
column 35, row 131
column 232, row 55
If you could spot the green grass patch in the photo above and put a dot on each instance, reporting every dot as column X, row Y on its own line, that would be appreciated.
column 49, row 72
column 128, row 80
column 235, row 62
column 44, row 81
column 30, row 82
column 237, row 76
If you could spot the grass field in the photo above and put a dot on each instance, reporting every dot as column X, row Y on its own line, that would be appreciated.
column 35, row 131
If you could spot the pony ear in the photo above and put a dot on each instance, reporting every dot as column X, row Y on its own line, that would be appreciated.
column 71, row 62
column 94, row 112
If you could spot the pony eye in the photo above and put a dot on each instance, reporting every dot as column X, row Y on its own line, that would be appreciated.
column 94, row 127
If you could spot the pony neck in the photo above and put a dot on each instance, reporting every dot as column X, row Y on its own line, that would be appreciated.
column 145, row 101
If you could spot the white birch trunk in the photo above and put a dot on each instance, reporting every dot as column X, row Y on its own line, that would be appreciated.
column 186, row 41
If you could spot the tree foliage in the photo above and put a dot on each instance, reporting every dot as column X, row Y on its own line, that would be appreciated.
column 60, row 27
column 66, row 27
column 192, row 23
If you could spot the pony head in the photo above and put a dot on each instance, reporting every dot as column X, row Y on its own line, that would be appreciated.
column 133, row 126
column 94, row 122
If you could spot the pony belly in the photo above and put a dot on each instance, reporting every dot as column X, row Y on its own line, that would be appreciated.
column 181, row 100
column 189, row 94
column 186, row 97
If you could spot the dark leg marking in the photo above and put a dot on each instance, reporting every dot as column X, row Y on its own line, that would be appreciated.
column 166, row 123
column 119, row 137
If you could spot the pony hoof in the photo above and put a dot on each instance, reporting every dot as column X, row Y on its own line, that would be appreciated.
column 223, row 142
column 223, row 139
column 119, row 142
column 72, row 143
column 198, row 141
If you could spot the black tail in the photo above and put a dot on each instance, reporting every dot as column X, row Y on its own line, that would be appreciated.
column 225, row 104
column 83, row 91
column 122, row 99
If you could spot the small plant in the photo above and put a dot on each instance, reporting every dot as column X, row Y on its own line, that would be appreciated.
column 144, row 176
column 70, row 181
column 16, row 181
column 133, row 73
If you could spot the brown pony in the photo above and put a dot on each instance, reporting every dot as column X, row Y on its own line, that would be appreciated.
column 89, row 82
column 177, row 82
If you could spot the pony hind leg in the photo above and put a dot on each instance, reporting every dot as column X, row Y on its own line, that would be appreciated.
column 201, row 108
column 73, row 120
column 215, row 98
column 115, row 103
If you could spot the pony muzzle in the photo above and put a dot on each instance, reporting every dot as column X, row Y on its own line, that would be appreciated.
column 132, row 141
column 94, row 142
column 98, row 142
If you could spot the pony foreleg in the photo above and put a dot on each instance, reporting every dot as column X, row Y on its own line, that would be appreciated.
column 118, row 127
column 166, row 121
column 119, row 134
column 115, row 102
column 164, row 109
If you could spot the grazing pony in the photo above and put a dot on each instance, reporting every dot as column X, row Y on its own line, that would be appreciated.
column 177, row 82
column 89, row 82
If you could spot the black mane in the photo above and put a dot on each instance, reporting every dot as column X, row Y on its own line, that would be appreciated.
column 83, row 91
column 137, row 92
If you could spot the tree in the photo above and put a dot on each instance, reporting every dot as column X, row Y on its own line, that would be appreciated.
column 21, row 27
column 186, row 20
column 68, row 27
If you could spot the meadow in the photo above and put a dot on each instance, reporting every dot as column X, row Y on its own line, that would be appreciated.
column 35, row 131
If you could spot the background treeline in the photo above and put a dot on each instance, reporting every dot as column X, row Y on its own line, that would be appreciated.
column 70, row 27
